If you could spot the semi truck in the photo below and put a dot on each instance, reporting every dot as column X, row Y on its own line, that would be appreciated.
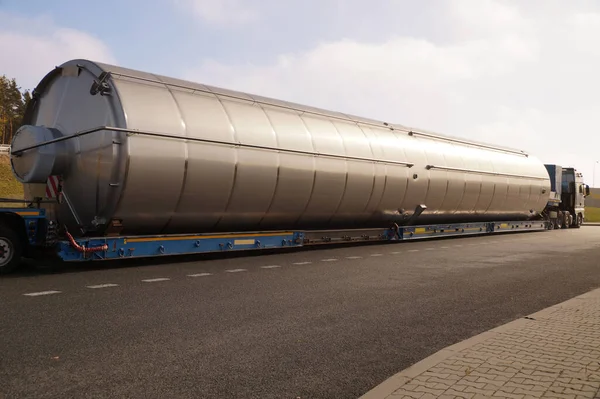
column 118, row 163
column 566, row 205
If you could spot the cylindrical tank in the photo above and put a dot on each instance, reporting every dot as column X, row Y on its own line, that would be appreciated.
column 162, row 155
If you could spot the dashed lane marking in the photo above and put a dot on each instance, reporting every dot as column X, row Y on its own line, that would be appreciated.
column 42, row 293
column 153, row 280
column 102, row 285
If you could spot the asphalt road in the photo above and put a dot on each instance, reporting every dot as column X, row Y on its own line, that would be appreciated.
column 327, row 323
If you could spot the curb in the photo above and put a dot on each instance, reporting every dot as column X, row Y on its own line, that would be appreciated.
column 395, row 382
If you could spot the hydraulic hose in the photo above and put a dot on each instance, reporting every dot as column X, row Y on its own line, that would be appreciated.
column 83, row 249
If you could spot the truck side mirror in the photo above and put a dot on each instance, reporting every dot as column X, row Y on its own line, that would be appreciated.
column 587, row 190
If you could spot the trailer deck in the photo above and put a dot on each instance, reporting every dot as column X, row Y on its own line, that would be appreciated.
column 118, row 247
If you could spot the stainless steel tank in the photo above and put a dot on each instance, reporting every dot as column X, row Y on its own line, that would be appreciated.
column 162, row 155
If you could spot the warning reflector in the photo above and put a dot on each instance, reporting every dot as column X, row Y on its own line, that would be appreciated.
column 52, row 187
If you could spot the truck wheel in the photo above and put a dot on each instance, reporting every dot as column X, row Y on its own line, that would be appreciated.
column 10, row 250
column 578, row 221
column 565, row 220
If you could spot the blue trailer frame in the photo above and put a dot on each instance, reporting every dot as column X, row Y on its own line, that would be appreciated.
column 120, row 247
column 103, row 248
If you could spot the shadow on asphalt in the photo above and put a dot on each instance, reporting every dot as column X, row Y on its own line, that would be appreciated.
column 32, row 267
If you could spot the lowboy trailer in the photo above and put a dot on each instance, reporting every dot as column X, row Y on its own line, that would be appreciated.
column 117, row 163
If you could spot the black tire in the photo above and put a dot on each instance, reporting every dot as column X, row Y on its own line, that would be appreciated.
column 11, row 250
column 578, row 221
column 565, row 220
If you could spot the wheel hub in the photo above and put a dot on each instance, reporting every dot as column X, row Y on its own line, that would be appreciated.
column 5, row 252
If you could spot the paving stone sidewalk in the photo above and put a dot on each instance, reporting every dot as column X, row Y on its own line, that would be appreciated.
column 554, row 353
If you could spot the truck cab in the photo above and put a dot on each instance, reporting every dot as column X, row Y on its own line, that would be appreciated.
column 574, row 192
column 566, row 204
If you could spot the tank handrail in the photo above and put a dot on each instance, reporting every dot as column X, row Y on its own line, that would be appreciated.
column 483, row 172
column 18, row 152
column 327, row 114
column 466, row 142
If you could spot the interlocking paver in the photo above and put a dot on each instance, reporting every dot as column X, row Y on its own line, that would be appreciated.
column 504, row 394
column 458, row 394
column 554, row 353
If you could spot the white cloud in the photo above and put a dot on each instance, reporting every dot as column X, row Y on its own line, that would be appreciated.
column 32, row 47
column 220, row 12
column 583, row 31
column 489, row 17
column 403, row 80
column 503, row 75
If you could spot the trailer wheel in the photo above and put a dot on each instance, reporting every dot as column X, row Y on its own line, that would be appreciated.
column 10, row 250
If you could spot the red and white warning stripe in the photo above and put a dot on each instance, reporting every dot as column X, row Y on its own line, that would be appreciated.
column 52, row 187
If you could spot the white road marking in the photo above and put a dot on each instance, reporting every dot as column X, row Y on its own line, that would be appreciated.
column 42, row 293
column 329, row 260
column 153, row 280
column 270, row 267
column 302, row 263
column 235, row 270
column 103, row 285
column 200, row 275
column 413, row 250
column 445, row 247
column 376, row 254
column 395, row 253
column 353, row 257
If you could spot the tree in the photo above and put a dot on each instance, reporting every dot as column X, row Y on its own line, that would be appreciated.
column 12, row 108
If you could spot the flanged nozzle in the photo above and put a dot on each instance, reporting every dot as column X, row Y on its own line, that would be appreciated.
column 36, row 155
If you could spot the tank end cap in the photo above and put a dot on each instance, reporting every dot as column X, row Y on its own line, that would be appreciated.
column 35, row 165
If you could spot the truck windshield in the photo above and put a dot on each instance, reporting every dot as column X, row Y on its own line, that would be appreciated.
column 568, row 178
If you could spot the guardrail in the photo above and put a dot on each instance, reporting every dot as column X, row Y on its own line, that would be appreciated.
column 4, row 148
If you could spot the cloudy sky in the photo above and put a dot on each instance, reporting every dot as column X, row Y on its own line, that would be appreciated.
column 524, row 74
